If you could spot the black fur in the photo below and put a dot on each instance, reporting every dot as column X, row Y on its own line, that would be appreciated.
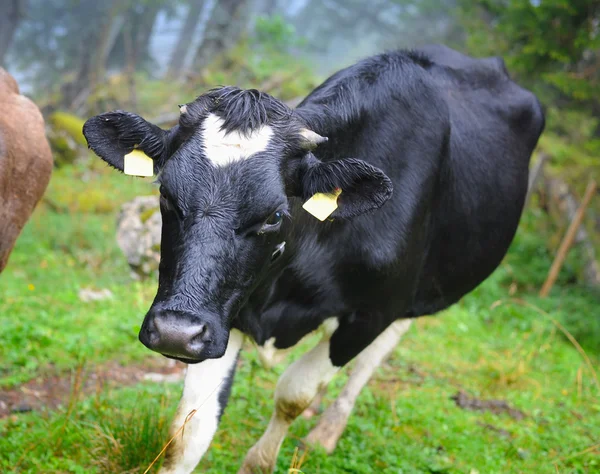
column 115, row 134
column 431, row 149
column 225, row 389
column 364, row 187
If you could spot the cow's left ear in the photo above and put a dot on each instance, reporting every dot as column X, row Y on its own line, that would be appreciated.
column 115, row 134
column 364, row 187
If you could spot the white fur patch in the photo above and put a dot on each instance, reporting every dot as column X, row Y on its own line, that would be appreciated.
column 222, row 149
column 304, row 378
column 333, row 422
column 270, row 356
column 203, row 383
column 295, row 389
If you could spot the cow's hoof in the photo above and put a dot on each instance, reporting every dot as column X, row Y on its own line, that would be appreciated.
column 252, row 469
column 257, row 463
column 245, row 470
column 326, row 436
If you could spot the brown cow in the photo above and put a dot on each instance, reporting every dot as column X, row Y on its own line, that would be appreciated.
column 25, row 162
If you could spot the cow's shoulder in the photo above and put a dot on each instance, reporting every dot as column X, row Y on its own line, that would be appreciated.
column 394, row 87
column 473, row 86
column 25, row 156
column 444, row 56
column 22, row 125
column 8, row 84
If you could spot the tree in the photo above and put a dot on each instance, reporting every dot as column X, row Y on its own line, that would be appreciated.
column 67, row 47
column 11, row 12
column 55, row 41
column 185, row 38
column 268, row 7
column 425, row 22
column 225, row 27
column 552, row 46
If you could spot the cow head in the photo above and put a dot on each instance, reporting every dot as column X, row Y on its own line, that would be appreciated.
column 227, row 173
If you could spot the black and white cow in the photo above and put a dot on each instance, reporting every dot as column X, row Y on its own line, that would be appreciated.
column 430, row 149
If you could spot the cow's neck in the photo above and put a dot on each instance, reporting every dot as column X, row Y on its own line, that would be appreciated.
column 306, row 264
column 289, row 288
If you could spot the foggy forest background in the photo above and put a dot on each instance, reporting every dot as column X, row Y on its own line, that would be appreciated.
column 79, row 58
column 65, row 52
column 505, row 341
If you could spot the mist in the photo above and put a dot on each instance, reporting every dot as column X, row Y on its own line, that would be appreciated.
column 53, row 39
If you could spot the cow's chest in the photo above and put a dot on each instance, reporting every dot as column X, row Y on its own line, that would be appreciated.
column 270, row 355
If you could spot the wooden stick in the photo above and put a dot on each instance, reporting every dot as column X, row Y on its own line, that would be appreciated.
column 566, row 205
column 568, row 240
column 535, row 175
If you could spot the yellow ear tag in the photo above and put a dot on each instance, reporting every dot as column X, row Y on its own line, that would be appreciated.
column 137, row 163
column 321, row 205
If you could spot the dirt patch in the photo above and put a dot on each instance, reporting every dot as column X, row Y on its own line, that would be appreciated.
column 495, row 429
column 55, row 391
column 465, row 401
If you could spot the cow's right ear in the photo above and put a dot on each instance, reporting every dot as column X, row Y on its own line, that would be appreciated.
column 363, row 187
column 115, row 134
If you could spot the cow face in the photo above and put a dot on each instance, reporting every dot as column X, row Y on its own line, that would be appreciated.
column 227, row 173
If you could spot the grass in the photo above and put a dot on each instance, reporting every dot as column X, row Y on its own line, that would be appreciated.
column 44, row 324
column 499, row 342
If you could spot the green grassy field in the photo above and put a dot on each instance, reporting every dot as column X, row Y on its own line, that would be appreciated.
column 500, row 342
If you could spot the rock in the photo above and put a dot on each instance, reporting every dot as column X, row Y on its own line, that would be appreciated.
column 89, row 294
column 22, row 408
column 64, row 132
column 523, row 453
column 465, row 401
column 138, row 234
column 163, row 378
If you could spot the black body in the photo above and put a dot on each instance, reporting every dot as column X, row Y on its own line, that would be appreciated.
column 455, row 136
column 451, row 135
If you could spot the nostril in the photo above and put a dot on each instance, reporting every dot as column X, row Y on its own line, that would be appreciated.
column 202, row 333
column 177, row 334
column 156, row 323
column 197, row 339
column 150, row 330
column 149, row 334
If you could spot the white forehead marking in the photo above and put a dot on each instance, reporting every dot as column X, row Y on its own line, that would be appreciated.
column 222, row 149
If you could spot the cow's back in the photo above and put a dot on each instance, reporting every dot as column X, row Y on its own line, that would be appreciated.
column 455, row 135
column 25, row 162
column 495, row 125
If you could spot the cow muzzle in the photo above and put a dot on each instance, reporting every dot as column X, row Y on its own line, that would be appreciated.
column 183, row 336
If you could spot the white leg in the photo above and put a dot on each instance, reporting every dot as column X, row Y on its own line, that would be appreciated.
column 315, row 406
column 203, row 385
column 333, row 421
column 296, row 388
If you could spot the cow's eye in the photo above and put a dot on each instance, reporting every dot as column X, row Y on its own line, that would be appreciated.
column 273, row 222
column 168, row 201
column 275, row 218
column 165, row 198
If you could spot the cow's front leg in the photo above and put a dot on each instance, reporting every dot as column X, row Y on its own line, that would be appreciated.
column 332, row 423
column 295, row 389
column 206, row 390
column 315, row 406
